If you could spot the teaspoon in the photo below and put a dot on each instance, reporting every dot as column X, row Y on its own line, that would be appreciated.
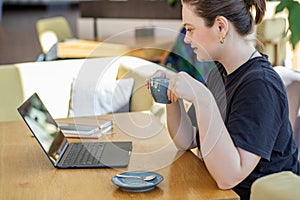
column 145, row 178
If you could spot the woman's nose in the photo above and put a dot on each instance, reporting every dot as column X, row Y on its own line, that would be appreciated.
column 187, row 39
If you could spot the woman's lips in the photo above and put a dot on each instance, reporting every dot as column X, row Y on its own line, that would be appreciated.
column 195, row 49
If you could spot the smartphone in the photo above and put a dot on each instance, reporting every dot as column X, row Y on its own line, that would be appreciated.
column 78, row 129
column 81, row 130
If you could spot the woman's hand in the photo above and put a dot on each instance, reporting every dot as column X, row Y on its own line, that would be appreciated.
column 182, row 85
column 158, row 73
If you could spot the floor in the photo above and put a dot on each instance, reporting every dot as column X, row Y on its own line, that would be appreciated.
column 18, row 37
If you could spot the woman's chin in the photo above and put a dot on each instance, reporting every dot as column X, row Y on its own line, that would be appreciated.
column 200, row 59
column 203, row 59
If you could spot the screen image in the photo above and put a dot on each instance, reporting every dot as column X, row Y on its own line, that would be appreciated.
column 43, row 126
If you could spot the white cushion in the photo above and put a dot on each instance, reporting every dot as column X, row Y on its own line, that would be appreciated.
column 107, row 97
column 115, row 97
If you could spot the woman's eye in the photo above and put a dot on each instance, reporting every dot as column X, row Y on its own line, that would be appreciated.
column 189, row 30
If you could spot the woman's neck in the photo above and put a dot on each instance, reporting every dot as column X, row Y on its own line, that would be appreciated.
column 236, row 54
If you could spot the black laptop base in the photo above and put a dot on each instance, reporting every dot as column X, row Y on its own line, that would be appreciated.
column 96, row 155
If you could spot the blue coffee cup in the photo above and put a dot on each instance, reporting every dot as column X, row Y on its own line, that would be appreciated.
column 159, row 88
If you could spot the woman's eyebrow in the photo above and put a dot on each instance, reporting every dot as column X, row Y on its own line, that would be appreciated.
column 187, row 24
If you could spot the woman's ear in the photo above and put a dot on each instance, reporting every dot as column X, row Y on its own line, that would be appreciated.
column 222, row 26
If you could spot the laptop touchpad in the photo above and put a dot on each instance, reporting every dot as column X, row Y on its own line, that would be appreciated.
column 116, row 154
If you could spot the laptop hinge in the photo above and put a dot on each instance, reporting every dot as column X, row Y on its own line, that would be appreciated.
column 63, row 153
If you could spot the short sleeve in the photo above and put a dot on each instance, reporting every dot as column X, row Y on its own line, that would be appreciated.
column 255, row 117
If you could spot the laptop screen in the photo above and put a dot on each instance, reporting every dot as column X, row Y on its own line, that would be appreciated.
column 44, row 128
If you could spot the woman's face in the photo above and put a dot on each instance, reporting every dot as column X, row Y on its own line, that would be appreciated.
column 202, row 39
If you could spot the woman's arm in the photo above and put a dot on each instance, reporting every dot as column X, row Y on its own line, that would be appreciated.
column 178, row 121
column 227, row 164
column 180, row 126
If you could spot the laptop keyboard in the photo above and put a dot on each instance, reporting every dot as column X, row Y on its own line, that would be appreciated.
column 84, row 154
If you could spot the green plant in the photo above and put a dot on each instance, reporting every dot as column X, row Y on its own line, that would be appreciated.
column 293, row 8
column 172, row 2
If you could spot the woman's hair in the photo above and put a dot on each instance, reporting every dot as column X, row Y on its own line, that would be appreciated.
column 238, row 12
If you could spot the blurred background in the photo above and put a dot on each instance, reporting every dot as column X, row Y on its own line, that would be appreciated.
column 18, row 35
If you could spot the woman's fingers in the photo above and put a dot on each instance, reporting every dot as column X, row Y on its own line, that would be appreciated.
column 158, row 73
column 171, row 91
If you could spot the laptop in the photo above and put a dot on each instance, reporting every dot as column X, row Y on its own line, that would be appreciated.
column 64, row 154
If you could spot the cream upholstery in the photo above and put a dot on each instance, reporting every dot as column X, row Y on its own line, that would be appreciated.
column 11, row 91
column 52, row 81
column 279, row 186
column 52, row 30
column 140, row 74
column 126, row 70
column 291, row 80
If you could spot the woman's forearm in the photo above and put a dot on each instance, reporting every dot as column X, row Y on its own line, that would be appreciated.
column 227, row 164
column 180, row 126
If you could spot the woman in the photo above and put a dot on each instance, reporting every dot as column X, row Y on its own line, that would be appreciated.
column 242, row 126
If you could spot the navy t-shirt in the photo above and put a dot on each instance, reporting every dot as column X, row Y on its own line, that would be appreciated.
column 253, row 104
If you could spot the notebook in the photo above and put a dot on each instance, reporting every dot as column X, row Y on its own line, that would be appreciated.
column 64, row 154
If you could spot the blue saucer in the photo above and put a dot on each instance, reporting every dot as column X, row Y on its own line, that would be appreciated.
column 137, row 185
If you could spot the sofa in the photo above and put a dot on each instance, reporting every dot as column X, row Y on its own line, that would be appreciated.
column 278, row 186
column 73, row 87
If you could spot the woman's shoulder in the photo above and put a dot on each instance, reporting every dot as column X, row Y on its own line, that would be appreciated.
column 261, row 68
column 261, row 72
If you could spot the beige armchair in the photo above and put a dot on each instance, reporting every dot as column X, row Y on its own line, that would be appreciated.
column 279, row 186
column 52, row 30
column 53, row 81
